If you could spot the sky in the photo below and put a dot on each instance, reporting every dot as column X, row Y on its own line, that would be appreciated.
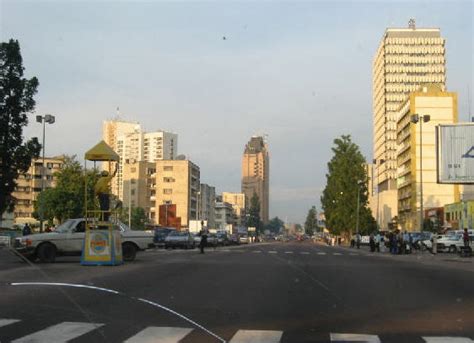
column 299, row 72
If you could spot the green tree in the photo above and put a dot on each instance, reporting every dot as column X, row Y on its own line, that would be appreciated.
column 138, row 217
column 274, row 225
column 16, row 102
column 345, row 179
column 66, row 200
column 311, row 223
column 253, row 219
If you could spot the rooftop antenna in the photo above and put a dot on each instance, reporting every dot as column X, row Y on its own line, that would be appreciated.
column 411, row 24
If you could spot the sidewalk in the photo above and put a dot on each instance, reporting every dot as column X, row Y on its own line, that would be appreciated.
column 440, row 259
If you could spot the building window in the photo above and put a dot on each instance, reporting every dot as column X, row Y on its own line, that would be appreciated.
column 168, row 179
column 168, row 168
column 132, row 192
column 167, row 191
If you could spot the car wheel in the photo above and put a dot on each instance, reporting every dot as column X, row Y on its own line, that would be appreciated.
column 129, row 252
column 453, row 249
column 46, row 253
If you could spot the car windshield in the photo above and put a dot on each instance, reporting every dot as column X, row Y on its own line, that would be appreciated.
column 66, row 226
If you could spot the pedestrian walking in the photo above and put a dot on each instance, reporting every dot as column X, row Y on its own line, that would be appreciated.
column 358, row 239
column 203, row 242
column 465, row 238
column 377, row 242
column 372, row 242
column 26, row 230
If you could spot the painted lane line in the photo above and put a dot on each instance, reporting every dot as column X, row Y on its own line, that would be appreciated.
column 162, row 334
column 225, row 250
column 288, row 252
column 257, row 251
column 5, row 322
column 304, row 253
column 354, row 337
column 321, row 253
column 336, row 253
column 63, row 332
column 447, row 340
column 273, row 252
column 256, row 336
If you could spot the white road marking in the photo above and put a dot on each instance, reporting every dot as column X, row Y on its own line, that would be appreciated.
column 155, row 334
column 354, row 337
column 336, row 253
column 226, row 250
column 447, row 340
column 257, row 251
column 321, row 253
column 273, row 252
column 5, row 322
column 288, row 252
column 304, row 253
column 256, row 336
column 63, row 332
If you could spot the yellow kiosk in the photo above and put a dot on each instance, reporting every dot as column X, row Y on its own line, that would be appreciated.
column 102, row 243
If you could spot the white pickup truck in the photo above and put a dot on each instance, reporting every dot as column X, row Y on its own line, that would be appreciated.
column 68, row 240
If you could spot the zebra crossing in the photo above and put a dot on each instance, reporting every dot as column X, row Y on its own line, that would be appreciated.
column 67, row 331
column 260, row 251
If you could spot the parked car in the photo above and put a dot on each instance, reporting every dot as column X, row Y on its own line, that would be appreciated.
column 244, row 239
column 453, row 243
column 212, row 240
column 68, row 240
column 197, row 238
column 428, row 243
column 223, row 239
column 160, row 235
column 234, row 239
column 179, row 239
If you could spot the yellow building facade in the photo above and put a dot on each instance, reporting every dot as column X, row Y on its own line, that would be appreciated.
column 177, row 182
column 441, row 106
column 237, row 200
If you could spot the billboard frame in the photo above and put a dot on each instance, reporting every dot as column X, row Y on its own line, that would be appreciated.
column 438, row 148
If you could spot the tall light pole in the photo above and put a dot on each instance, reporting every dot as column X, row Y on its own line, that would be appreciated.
column 379, row 161
column 359, row 183
column 50, row 119
column 415, row 119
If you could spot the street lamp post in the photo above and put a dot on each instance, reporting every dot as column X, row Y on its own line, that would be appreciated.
column 50, row 119
column 417, row 118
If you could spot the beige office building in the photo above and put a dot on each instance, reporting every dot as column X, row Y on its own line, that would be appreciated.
column 139, row 187
column 206, row 209
column 237, row 200
column 441, row 106
column 177, row 182
column 29, row 187
column 133, row 144
column 405, row 59
column 256, row 174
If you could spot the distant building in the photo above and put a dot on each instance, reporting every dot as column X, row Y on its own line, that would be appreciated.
column 178, row 183
column 29, row 186
column 206, row 209
column 237, row 200
column 256, row 174
column 224, row 215
column 459, row 215
column 405, row 59
column 133, row 144
column 442, row 108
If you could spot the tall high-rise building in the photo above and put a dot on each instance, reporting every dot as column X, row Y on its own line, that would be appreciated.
column 206, row 210
column 237, row 200
column 405, row 59
column 256, row 174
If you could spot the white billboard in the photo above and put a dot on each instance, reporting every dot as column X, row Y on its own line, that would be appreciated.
column 455, row 153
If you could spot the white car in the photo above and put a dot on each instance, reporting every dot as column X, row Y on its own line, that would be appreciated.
column 68, row 240
column 453, row 243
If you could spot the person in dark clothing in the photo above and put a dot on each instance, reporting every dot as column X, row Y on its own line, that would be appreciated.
column 372, row 243
column 203, row 242
column 26, row 230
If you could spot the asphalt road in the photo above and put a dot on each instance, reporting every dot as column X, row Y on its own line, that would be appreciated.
column 272, row 292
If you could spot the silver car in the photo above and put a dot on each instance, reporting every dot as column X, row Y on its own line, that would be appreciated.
column 179, row 239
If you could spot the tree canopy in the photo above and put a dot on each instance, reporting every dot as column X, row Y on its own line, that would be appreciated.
column 253, row 219
column 66, row 200
column 346, row 177
column 311, row 223
column 16, row 102
column 138, row 217
column 274, row 225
